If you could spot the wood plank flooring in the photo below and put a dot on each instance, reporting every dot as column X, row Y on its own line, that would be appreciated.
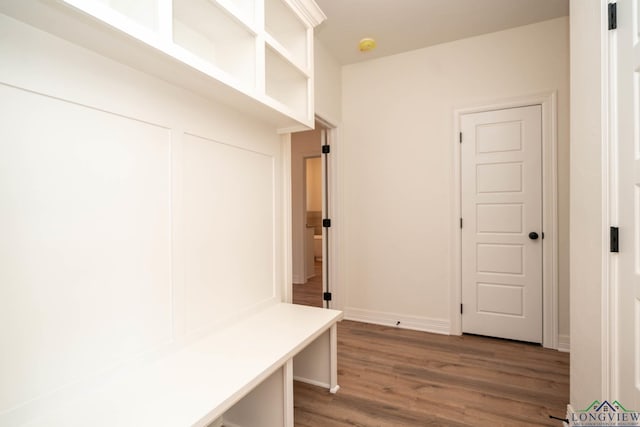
column 396, row 377
column 310, row 293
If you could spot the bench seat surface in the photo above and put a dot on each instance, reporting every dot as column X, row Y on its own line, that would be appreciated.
column 197, row 384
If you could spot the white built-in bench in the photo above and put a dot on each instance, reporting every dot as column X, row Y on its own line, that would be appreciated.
column 241, row 375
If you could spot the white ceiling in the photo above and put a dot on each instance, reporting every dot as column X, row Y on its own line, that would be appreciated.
column 403, row 25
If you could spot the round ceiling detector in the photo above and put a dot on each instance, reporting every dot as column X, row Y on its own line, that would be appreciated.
column 367, row 44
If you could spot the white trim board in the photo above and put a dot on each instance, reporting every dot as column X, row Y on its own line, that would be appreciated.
column 610, row 203
column 287, row 217
column 564, row 343
column 335, row 209
column 548, row 101
column 331, row 246
column 416, row 323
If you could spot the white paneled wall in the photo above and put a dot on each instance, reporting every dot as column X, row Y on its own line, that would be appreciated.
column 134, row 217
column 86, row 251
column 228, row 200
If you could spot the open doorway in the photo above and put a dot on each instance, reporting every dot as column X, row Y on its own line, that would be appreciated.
column 310, row 292
column 309, row 205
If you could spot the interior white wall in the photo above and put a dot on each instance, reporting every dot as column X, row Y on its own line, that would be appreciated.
column 586, row 200
column 314, row 184
column 396, row 141
column 303, row 145
column 328, row 85
column 135, row 217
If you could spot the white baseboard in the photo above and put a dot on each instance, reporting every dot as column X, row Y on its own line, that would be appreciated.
column 564, row 343
column 570, row 412
column 312, row 382
column 425, row 324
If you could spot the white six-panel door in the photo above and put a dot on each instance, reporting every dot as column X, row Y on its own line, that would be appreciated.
column 627, row 79
column 501, row 176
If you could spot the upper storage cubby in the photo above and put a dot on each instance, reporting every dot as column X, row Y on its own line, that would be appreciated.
column 286, row 32
column 286, row 84
column 254, row 55
column 243, row 9
column 217, row 37
column 141, row 12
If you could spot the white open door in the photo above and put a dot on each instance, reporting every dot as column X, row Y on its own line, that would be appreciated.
column 501, row 177
column 626, row 76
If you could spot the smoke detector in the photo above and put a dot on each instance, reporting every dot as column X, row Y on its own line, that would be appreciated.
column 367, row 44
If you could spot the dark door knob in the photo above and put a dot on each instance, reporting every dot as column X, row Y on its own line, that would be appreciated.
column 533, row 235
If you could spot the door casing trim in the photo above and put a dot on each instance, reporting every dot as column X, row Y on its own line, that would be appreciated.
column 335, row 213
column 548, row 102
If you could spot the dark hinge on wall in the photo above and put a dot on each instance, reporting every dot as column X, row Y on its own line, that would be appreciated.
column 460, row 222
column 460, row 137
column 613, row 16
column 613, row 239
column 461, row 309
column 326, row 149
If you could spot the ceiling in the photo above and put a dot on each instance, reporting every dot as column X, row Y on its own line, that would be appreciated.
column 403, row 25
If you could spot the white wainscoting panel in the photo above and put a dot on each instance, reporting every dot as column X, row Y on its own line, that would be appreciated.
column 85, row 253
column 124, row 235
column 228, row 221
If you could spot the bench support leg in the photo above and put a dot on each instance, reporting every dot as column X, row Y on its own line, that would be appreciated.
column 287, row 379
column 333, row 349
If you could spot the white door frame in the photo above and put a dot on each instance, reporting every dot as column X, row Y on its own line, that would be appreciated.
column 335, row 207
column 548, row 101
column 609, row 164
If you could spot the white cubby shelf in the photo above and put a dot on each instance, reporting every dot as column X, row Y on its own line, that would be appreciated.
column 254, row 55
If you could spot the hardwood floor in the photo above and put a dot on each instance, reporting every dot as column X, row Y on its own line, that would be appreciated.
column 397, row 377
column 310, row 293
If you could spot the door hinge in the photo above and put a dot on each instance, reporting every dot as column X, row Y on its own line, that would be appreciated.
column 613, row 239
column 461, row 310
column 613, row 16
column 460, row 222
column 326, row 149
column 326, row 223
column 326, row 296
column 460, row 137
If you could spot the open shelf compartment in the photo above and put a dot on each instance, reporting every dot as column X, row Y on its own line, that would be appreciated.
column 286, row 84
column 253, row 54
column 288, row 30
column 142, row 12
column 214, row 36
column 245, row 10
